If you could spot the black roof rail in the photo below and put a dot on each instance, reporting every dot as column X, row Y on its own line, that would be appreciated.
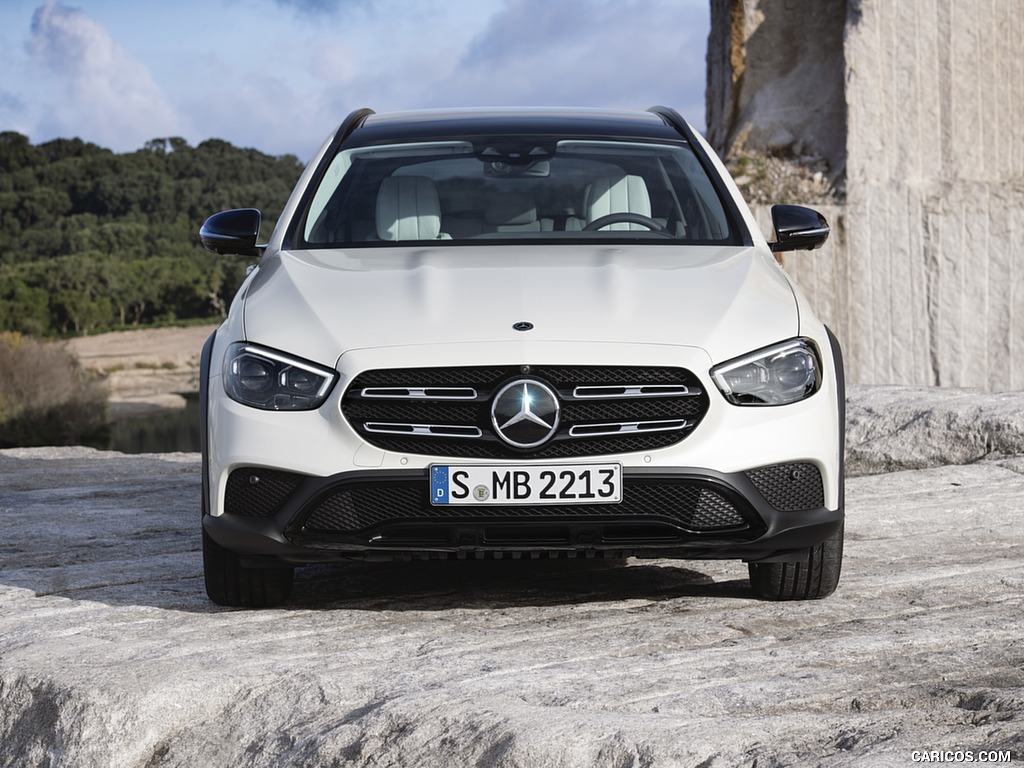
column 350, row 123
column 673, row 119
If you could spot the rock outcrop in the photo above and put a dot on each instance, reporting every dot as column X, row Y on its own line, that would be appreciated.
column 111, row 655
column 775, row 80
column 916, row 108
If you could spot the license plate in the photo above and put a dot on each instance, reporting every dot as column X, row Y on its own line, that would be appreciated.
column 532, row 484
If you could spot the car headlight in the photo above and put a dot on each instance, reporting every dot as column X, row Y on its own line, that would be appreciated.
column 781, row 374
column 263, row 378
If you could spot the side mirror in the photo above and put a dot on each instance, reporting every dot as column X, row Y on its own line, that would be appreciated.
column 797, row 228
column 232, row 231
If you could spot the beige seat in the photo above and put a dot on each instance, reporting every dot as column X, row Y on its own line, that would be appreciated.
column 617, row 194
column 408, row 208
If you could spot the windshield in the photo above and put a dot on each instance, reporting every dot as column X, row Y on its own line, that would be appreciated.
column 514, row 189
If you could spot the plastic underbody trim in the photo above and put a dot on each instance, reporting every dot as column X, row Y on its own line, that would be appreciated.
column 763, row 532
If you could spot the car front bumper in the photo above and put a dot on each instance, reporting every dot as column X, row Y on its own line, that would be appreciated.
column 749, row 483
column 685, row 513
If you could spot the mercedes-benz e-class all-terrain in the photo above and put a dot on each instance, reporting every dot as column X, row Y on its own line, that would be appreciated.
column 523, row 333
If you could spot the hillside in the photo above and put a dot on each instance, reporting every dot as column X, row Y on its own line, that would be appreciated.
column 91, row 240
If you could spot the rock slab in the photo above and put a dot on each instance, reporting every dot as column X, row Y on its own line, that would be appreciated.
column 110, row 654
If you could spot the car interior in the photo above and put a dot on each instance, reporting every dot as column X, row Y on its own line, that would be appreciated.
column 467, row 199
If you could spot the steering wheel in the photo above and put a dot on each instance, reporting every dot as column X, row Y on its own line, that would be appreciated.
column 625, row 217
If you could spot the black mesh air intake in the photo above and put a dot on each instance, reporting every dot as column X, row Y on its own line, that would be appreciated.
column 691, row 506
column 790, row 487
column 256, row 492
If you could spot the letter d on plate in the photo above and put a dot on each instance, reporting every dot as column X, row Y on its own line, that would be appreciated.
column 439, row 485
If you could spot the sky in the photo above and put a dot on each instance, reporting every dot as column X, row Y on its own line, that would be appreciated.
column 280, row 75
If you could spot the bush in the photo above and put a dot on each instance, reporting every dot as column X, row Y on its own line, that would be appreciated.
column 46, row 397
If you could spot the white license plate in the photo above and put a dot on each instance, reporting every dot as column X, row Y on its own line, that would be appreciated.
column 532, row 484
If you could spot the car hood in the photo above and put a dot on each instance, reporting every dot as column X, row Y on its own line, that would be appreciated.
column 319, row 304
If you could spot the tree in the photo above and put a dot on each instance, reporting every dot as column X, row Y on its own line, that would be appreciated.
column 111, row 239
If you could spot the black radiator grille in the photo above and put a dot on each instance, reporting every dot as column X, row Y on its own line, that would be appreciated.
column 616, row 409
column 692, row 506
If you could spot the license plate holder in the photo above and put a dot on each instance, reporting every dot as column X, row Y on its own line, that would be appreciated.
column 531, row 484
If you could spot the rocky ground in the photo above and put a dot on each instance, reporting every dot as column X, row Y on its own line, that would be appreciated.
column 110, row 654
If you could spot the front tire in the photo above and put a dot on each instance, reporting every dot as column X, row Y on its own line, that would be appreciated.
column 814, row 577
column 229, row 583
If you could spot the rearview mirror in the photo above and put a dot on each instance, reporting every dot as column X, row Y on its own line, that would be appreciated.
column 797, row 228
column 232, row 231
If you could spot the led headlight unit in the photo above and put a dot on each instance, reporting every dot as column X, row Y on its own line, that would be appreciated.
column 778, row 375
column 272, row 381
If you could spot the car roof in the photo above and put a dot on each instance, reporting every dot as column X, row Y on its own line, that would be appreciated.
column 505, row 121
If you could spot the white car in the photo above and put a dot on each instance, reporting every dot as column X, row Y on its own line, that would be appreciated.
column 515, row 334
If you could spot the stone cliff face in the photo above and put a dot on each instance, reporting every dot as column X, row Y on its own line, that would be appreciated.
column 921, row 104
column 775, row 79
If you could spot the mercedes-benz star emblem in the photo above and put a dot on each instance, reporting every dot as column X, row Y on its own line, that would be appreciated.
column 525, row 413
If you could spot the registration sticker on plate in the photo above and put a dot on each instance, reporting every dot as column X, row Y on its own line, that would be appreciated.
column 529, row 484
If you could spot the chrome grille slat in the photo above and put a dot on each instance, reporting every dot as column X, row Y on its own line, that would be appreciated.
column 421, row 393
column 627, row 427
column 422, row 430
column 604, row 392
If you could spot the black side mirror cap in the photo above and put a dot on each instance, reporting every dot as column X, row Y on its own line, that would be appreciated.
column 798, row 228
column 233, row 231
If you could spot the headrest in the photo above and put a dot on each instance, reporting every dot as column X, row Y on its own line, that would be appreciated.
column 618, row 194
column 408, row 208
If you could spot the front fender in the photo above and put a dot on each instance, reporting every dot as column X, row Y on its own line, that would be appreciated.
column 204, row 417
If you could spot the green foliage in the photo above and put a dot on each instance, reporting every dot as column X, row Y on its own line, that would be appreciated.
column 46, row 398
column 91, row 240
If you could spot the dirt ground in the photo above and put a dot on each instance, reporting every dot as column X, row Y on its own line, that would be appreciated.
column 147, row 369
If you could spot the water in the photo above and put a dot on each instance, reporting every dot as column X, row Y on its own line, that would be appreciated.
column 167, row 432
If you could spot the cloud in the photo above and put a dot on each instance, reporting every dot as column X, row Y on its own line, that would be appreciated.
column 617, row 53
column 10, row 103
column 108, row 95
column 333, row 63
column 327, row 7
column 279, row 78
column 442, row 53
